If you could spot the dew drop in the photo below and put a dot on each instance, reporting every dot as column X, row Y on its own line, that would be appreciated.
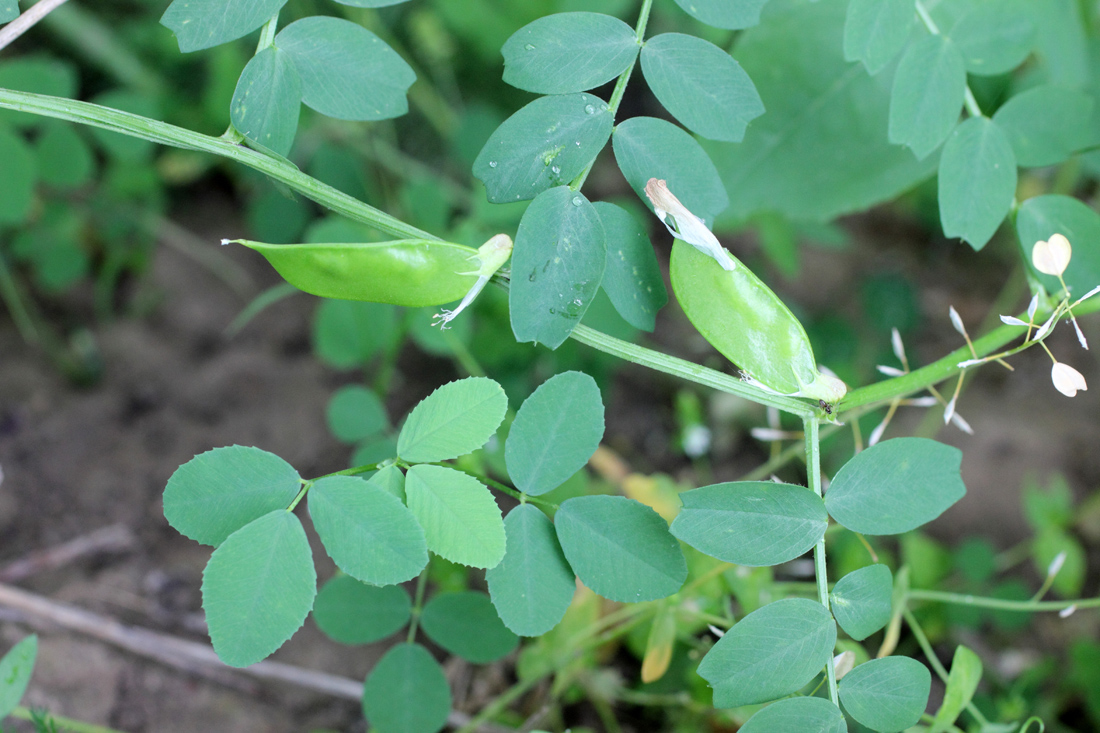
column 578, row 143
column 530, row 47
column 492, row 164
column 555, row 170
column 576, row 301
column 577, row 201
column 589, row 109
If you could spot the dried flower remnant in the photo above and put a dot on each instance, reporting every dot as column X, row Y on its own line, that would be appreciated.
column 685, row 225
column 1051, row 256
column 490, row 257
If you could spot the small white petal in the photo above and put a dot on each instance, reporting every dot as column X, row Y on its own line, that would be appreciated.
column 776, row 480
column 1089, row 294
column 1033, row 306
column 926, row 401
column 949, row 412
column 226, row 241
column 1051, row 257
column 716, row 631
column 1067, row 611
column 1067, row 380
column 769, row 434
column 957, row 321
column 1056, row 564
column 685, row 225
column 890, row 371
column 1013, row 321
column 899, row 347
column 961, row 424
column 1045, row 328
column 1080, row 336
column 970, row 363
column 844, row 663
column 876, row 434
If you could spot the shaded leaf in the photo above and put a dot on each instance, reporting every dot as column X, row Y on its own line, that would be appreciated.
column 875, row 31
column 355, row 412
column 962, row 683
column 267, row 100
column 632, row 278
column 927, row 95
column 802, row 714
column 723, row 13
column 886, row 695
column 977, row 181
column 467, row 625
column 1047, row 124
column 862, row 602
column 995, row 37
column 1040, row 216
column 351, row 612
column 406, row 692
column 200, row 24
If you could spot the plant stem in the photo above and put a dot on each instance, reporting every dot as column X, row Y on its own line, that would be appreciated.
column 27, row 20
column 165, row 134
column 813, row 478
column 687, row 370
column 937, row 665
column 1000, row 603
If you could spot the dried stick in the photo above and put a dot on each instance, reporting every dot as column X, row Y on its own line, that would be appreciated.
column 115, row 538
column 26, row 21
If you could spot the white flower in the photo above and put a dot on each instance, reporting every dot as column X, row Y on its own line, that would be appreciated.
column 685, row 225
column 1051, row 257
column 1067, row 380
column 490, row 257
column 1013, row 321
column 956, row 320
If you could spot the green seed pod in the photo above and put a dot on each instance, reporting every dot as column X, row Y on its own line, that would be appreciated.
column 410, row 272
column 736, row 312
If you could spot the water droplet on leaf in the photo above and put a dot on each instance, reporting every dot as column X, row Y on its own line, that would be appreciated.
column 492, row 164
column 530, row 47
column 589, row 109
column 577, row 200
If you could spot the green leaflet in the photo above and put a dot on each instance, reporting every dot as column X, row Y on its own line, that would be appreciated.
column 267, row 100
column 348, row 334
column 632, row 278
column 557, row 266
column 962, row 683
column 927, row 95
column 753, row 523
column 533, row 585
column 37, row 74
column 347, row 72
column 545, row 144
column 367, row 531
column 466, row 624
column 770, row 653
column 977, row 181
column 220, row 491
column 64, row 159
column 9, row 10
column 15, row 673
column 556, row 431
column 200, row 24
column 723, row 13
column 568, row 52
column 895, row 486
column 17, row 183
column 995, row 38
column 701, row 85
column 620, row 548
column 875, row 31
column 887, row 695
column 456, row 419
column 258, row 588
column 406, row 692
column 1047, row 124
column 802, row 714
column 411, row 272
column 861, row 601
column 351, row 612
column 355, row 413
column 460, row 517
column 1039, row 217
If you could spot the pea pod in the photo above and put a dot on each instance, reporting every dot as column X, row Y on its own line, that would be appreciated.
column 410, row 272
column 736, row 312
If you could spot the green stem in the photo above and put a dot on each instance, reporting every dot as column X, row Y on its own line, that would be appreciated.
column 418, row 605
column 504, row 488
column 813, row 476
column 499, row 704
column 937, row 665
column 620, row 86
column 165, row 134
column 63, row 723
column 687, row 370
column 1000, row 603
column 306, row 486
